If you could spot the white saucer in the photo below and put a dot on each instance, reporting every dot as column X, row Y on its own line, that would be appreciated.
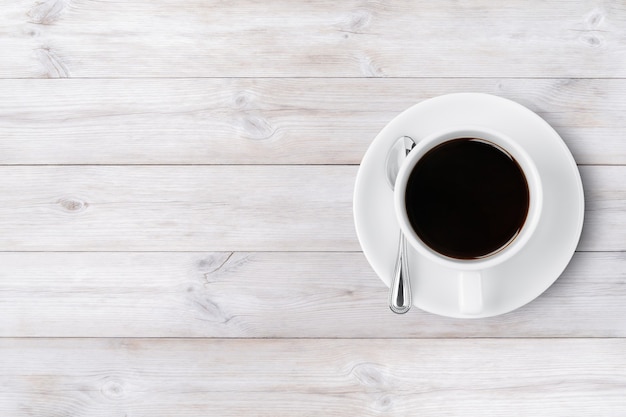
column 515, row 282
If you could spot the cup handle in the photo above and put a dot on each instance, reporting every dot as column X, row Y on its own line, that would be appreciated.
column 470, row 292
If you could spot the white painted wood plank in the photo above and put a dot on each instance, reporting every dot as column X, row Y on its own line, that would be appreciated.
column 273, row 294
column 177, row 208
column 221, row 208
column 605, row 199
column 198, row 38
column 269, row 121
column 148, row 377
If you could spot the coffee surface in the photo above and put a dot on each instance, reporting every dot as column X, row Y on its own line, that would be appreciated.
column 467, row 198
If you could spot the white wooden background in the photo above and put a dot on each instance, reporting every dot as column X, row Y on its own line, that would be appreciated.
column 176, row 231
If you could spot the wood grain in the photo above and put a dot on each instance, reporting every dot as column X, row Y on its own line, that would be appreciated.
column 221, row 208
column 141, row 38
column 270, row 121
column 139, row 377
column 220, row 274
column 273, row 294
column 177, row 208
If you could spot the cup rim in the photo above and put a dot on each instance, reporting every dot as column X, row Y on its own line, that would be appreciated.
column 509, row 145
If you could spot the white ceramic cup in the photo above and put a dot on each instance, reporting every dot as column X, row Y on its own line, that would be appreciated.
column 470, row 294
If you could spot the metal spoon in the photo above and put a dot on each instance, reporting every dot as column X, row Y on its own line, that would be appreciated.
column 400, row 289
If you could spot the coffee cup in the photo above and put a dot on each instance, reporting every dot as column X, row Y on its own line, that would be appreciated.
column 468, row 198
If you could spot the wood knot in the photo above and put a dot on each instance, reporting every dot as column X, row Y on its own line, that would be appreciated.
column 359, row 21
column 47, row 12
column 383, row 403
column 369, row 375
column 53, row 65
column 256, row 127
column 243, row 99
column 592, row 40
column 370, row 69
column 113, row 389
column 32, row 31
column 208, row 310
column 594, row 18
column 217, row 265
column 73, row 204
column 214, row 262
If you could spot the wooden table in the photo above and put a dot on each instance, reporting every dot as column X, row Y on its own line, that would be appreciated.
column 176, row 227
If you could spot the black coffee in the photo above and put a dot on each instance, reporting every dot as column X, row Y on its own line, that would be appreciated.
column 467, row 198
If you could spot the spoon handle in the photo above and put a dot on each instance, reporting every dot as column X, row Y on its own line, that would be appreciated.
column 400, row 291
